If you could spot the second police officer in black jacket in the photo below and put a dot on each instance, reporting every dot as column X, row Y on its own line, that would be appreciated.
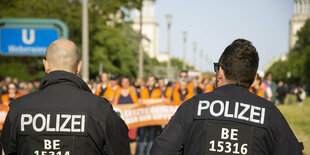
column 63, row 117
column 229, row 120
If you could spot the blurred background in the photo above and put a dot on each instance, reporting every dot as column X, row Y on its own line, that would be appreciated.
column 163, row 37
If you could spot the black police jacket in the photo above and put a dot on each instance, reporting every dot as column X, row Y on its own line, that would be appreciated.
column 229, row 120
column 63, row 118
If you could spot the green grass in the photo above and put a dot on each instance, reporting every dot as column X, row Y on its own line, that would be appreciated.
column 298, row 118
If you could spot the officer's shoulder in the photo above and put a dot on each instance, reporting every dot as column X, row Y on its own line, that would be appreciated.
column 271, row 109
column 21, row 102
column 208, row 95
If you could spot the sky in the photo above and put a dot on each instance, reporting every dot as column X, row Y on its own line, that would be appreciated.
column 214, row 24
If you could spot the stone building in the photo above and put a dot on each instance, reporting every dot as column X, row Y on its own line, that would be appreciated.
column 149, row 30
column 301, row 14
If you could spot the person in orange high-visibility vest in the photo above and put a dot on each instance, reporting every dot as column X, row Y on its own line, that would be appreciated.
column 211, row 85
column 150, row 92
column 256, row 86
column 166, row 90
column 4, row 109
column 102, row 87
column 182, row 94
column 112, row 89
column 11, row 95
column 184, row 76
column 127, row 95
column 147, row 133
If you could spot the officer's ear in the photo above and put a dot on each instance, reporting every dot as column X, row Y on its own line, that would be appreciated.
column 46, row 66
column 79, row 67
column 221, row 79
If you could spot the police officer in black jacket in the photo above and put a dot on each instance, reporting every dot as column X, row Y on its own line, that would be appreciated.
column 229, row 120
column 63, row 117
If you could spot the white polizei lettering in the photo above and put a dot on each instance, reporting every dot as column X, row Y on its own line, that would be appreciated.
column 254, row 113
column 48, row 120
column 246, row 108
column 73, row 123
column 23, row 122
column 34, row 122
column 226, row 114
column 221, row 108
column 236, row 110
column 262, row 119
column 83, row 123
column 62, row 127
column 63, row 122
column 202, row 106
column 57, row 122
column 217, row 108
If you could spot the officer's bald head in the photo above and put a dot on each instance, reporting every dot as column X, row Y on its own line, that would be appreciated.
column 62, row 55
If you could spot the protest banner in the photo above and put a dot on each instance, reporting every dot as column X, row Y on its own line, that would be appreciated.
column 4, row 109
column 140, row 115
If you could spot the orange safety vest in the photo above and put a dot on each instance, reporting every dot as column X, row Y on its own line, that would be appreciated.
column 168, row 93
column 260, row 92
column 190, row 86
column 177, row 96
column 98, row 90
column 132, row 94
column 6, row 99
column 209, row 89
column 110, row 92
column 4, row 109
column 144, row 93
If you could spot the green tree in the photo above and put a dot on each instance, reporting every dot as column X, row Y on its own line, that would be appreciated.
column 298, row 62
column 101, row 14
column 303, row 36
column 111, row 48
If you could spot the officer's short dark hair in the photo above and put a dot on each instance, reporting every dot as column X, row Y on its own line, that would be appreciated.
column 239, row 62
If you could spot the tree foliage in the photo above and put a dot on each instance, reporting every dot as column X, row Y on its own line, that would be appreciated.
column 109, row 43
column 298, row 60
column 112, row 41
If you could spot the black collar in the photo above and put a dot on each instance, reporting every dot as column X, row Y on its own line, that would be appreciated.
column 56, row 77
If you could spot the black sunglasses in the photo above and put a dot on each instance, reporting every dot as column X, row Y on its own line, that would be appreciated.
column 216, row 66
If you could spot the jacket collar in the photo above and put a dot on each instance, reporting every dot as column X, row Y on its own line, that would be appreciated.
column 56, row 77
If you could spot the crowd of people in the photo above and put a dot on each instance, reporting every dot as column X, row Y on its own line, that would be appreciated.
column 276, row 92
column 121, row 90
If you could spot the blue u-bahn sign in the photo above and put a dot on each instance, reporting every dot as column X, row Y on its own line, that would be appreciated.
column 26, row 41
column 19, row 38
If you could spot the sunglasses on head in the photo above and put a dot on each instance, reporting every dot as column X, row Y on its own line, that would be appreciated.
column 216, row 67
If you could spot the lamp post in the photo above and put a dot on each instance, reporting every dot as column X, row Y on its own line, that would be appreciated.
column 184, row 49
column 85, row 52
column 140, row 73
column 201, row 57
column 195, row 48
column 169, row 20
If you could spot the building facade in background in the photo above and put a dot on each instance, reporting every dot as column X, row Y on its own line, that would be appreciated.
column 149, row 30
column 301, row 14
